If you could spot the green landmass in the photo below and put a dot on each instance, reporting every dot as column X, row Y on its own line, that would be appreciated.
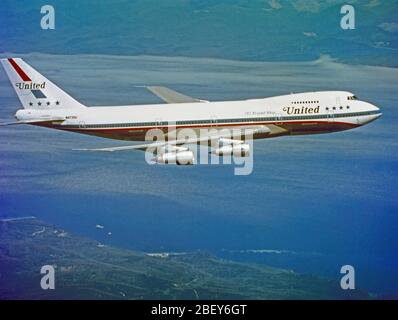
column 86, row 269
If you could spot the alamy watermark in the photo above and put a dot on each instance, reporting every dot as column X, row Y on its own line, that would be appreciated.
column 47, row 21
column 347, row 22
column 347, row 282
column 47, row 281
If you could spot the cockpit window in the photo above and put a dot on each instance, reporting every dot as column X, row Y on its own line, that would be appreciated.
column 352, row 98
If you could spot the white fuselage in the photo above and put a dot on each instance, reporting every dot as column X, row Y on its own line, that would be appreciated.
column 303, row 113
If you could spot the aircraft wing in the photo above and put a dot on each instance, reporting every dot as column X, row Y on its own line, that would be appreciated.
column 153, row 147
column 171, row 96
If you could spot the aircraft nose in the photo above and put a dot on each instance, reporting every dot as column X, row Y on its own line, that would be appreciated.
column 377, row 116
column 374, row 108
column 374, row 114
column 377, row 111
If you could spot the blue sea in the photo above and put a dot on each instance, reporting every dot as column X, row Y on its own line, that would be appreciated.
column 312, row 203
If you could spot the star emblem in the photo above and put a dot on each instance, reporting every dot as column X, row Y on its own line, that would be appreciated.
column 39, row 103
column 57, row 103
column 48, row 103
column 30, row 103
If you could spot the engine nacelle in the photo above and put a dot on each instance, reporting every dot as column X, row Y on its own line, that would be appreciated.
column 179, row 158
column 237, row 150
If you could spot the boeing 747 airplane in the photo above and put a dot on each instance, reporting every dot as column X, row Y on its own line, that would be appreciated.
column 46, row 105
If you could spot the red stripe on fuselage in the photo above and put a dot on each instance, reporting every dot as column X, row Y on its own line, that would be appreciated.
column 130, row 134
column 18, row 69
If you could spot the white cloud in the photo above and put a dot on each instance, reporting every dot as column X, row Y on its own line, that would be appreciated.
column 389, row 27
column 307, row 5
column 373, row 3
column 310, row 34
column 274, row 4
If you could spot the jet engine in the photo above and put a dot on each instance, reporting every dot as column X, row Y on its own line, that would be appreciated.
column 185, row 157
column 237, row 150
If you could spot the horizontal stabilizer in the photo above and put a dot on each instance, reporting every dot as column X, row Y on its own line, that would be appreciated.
column 31, row 121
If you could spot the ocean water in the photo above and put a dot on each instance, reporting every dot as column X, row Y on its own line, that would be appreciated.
column 312, row 203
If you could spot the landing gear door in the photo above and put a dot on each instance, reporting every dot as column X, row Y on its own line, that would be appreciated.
column 330, row 111
column 278, row 118
column 159, row 124
column 330, row 115
column 214, row 121
column 338, row 102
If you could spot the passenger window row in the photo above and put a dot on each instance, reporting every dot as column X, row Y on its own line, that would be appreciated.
column 303, row 102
